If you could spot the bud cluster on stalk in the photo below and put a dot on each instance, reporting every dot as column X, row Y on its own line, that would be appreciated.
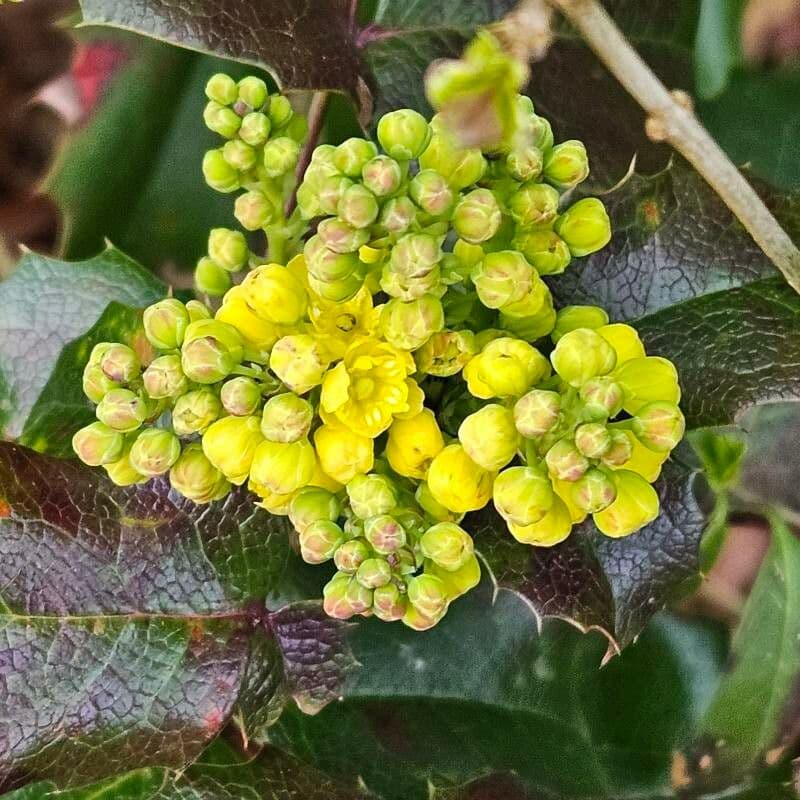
column 408, row 266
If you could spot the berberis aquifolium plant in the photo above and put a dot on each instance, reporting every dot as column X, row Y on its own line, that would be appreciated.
column 475, row 358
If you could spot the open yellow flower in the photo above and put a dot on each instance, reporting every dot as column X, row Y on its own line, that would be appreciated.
column 338, row 325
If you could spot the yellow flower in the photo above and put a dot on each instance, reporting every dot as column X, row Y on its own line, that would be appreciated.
column 368, row 387
column 270, row 501
column 624, row 339
column 413, row 443
column 338, row 325
column 258, row 334
column 645, row 380
column 415, row 400
column 283, row 467
column 636, row 505
column 275, row 294
column 643, row 461
column 230, row 443
column 457, row 482
column 553, row 528
column 342, row 453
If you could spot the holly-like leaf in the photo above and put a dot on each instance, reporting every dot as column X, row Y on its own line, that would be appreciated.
column 46, row 306
column 135, row 623
column 305, row 46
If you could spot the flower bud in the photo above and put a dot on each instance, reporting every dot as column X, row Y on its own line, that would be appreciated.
column 525, row 164
column 286, row 418
column 506, row 367
column 155, row 451
column 351, row 555
column 335, row 601
column 374, row 572
column 565, row 461
column 659, row 426
column 477, row 217
column 585, row 227
column 407, row 289
column 122, row 410
column 211, row 350
column 431, row 192
column 432, row 507
column 98, row 444
column 582, row 354
column 447, row 545
column 398, row 215
column 594, row 491
column 195, row 477
column 121, row 472
column 413, row 443
column 382, row 176
column 404, row 134
column 415, row 255
column 120, row 363
column 457, row 482
column 358, row 206
column 385, row 534
column 445, row 353
column 635, row 506
column 551, row 529
column 566, row 165
column 222, row 89
column 501, row 278
column 280, row 156
column 319, row 540
column 489, row 437
column 417, row 621
column 165, row 324
column 545, row 250
column 571, row 318
column 602, row 397
column 620, row 451
column 342, row 453
column 252, row 91
column 540, row 132
column 327, row 265
column 592, row 439
column 228, row 249
column 340, row 236
column 210, row 278
column 388, row 603
column 96, row 384
column 195, row 411
column 313, row 504
column 331, row 191
column 461, row 167
column 280, row 110
column 537, row 412
column 298, row 361
column 241, row 396
column 275, row 294
column 408, row 325
column 239, row 155
column 221, row 120
column 427, row 594
column 254, row 210
column 371, row 495
column 522, row 495
column 534, row 204
column 351, row 156
column 230, row 444
column 164, row 377
column 283, row 467
column 197, row 310
column 218, row 173
column 308, row 200
column 255, row 129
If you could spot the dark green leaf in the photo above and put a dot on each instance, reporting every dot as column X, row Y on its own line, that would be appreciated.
column 46, row 306
column 135, row 621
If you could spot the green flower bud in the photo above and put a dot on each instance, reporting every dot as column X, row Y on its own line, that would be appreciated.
column 659, row 426
column 566, row 164
column 313, row 504
column 545, row 250
column 280, row 110
column 280, row 156
column 445, row 353
column 477, row 217
column 228, row 249
column 417, row 621
column 221, row 120
column 522, row 495
column 230, row 444
column 283, row 467
column 415, row 255
column 403, row 561
column 340, row 236
column 323, row 156
column 352, row 154
column 431, row 192
column 155, row 451
column 319, row 540
column 210, row 278
column 585, row 227
column 460, row 167
column 96, row 384
column 404, row 134
column 621, row 450
column 534, row 204
column 490, row 437
column 398, row 215
column 385, row 534
column 427, row 594
column 222, row 89
column 592, row 439
column 506, row 367
column 335, row 601
column 164, row 378
column 299, row 362
column 388, row 603
column 408, row 289
column 571, row 318
column 351, row 555
column 165, row 323
column 122, row 410
column 331, row 190
column 211, row 350
column 371, row 495
column 195, row 477
column 253, row 91
column 537, row 412
column 255, row 129
column 525, row 164
column 447, row 545
column 286, row 418
column 197, row 310
column 359, row 598
column 240, row 396
column 327, row 265
column 195, row 411
column 565, row 461
column 582, row 354
column 432, row 507
column 533, row 326
column 296, row 129
column 408, row 325
column 541, row 132
column 341, row 290
column 239, row 155
column 374, row 572
column 121, row 471
column 358, row 206
column 120, row 363
column 254, row 210
column 382, row 176
column 98, row 444
column 308, row 201
column 602, row 397
column 594, row 491
column 218, row 173
column 501, row 278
